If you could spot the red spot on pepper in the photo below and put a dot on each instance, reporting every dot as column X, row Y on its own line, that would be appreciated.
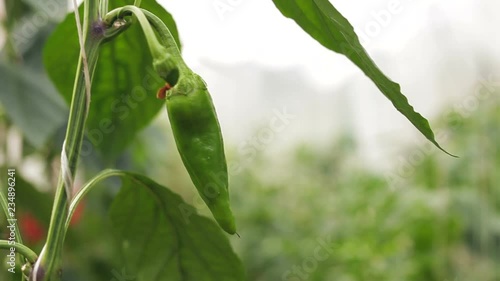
column 162, row 92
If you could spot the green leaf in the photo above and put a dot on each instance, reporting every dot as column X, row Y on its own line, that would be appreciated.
column 124, row 84
column 31, row 102
column 323, row 22
column 29, row 98
column 53, row 10
column 15, row 10
column 163, row 238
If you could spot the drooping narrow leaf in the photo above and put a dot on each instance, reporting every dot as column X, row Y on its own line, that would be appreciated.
column 162, row 238
column 321, row 20
column 124, row 84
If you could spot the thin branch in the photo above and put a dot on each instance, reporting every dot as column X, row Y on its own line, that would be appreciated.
column 67, row 176
column 66, row 171
column 84, row 55
column 23, row 250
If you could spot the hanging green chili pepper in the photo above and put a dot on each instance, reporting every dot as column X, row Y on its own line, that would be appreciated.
column 192, row 116
column 199, row 141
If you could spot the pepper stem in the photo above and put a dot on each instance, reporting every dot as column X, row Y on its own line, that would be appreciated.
column 156, row 49
column 167, row 59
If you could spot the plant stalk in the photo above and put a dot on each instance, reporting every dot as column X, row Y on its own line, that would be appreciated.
column 48, row 265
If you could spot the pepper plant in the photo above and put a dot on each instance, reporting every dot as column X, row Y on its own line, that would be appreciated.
column 152, row 223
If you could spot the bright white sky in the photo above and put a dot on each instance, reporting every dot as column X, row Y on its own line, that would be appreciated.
column 256, row 31
column 252, row 31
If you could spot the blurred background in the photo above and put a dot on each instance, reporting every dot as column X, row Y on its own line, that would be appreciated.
column 345, row 188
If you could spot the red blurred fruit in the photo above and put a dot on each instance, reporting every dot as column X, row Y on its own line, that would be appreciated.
column 77, row 215
column 31, row 229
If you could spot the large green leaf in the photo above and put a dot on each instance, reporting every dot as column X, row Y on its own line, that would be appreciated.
column 31, row 102
column 162, row 238
column 28, row 97
column 323, row 22
column 15, row 11
column 124, row 84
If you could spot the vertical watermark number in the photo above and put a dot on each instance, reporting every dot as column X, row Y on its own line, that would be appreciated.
column 11, row 218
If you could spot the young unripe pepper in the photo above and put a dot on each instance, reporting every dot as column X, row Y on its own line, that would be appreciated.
column 199, row 140
column 192, row 116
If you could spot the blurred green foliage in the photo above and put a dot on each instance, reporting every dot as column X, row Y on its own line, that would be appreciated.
column 320, row 214
column 439, row 221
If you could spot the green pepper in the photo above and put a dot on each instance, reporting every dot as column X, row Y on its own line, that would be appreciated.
column 192, row 116
column 198, row 138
